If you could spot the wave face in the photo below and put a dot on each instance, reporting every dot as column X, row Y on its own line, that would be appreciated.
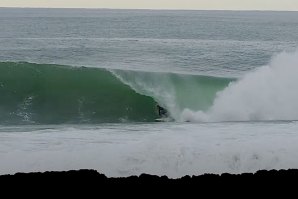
column 32, row 93
column 267, row 93
column 54, row 94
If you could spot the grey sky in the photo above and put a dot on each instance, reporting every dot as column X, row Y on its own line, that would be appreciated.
column 160, row 4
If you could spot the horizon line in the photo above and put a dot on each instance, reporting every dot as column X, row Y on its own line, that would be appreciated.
column 151, row 9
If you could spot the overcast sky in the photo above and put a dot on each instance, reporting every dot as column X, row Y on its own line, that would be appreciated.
column 160, row 4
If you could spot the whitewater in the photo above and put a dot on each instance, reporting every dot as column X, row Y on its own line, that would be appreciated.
column 79, row 89
column 264, row 94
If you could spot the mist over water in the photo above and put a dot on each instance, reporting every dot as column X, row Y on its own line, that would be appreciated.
column 267, row 93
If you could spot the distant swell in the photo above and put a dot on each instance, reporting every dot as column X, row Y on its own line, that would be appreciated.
column 53, row 94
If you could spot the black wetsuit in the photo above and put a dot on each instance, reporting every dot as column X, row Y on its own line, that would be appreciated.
column 162, row 112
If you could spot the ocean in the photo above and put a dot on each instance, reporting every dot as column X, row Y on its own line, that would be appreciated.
column 79, row 90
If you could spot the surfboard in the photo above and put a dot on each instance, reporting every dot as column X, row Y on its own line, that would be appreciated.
column 163, row 119
column 160, row 120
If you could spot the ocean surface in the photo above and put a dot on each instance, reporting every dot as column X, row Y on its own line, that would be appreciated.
column 79, row 89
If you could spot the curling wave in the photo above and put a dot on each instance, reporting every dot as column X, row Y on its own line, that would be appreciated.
column 53, row 94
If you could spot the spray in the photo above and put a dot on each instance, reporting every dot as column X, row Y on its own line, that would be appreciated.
column 267, row 93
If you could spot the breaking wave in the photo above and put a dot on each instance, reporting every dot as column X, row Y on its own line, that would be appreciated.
column 53, row 94
column 267, row 93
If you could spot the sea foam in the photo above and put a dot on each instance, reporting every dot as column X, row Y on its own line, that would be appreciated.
column 266, row 93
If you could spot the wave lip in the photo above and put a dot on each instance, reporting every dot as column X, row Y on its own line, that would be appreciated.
column 175, row 92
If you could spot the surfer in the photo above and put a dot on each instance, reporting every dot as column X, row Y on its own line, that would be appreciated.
column 162, row 112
